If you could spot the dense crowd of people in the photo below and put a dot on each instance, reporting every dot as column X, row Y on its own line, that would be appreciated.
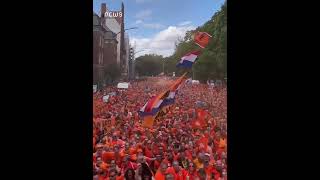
column 175, row 148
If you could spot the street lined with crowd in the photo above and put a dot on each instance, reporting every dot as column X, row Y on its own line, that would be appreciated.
column 179, row 146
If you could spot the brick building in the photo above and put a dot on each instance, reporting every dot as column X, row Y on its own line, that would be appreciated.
column 116, row 25
column 104, row 50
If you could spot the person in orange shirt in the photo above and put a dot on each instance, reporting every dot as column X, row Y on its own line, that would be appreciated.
column 113, row 175
column 101, row 165
column 192, row 172
column 160, row 175
column 198, row 161
column 129, row 174
column 188, row 153
column 222, row 143
column 127, row 164
column 102, row 175
column 169, row 158
column 202, row 174
column 114, row 166
column 207, row 166
column 129, row 150
column 148, row 149
column 146, row 172
column 179, row 172
column 98, row 153
column 181, row 158
column 217, row 171
column 157, row 162
column 160, row 150
column 169, row 176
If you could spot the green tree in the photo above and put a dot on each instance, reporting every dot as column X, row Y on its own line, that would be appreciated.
column 149, row 65
column 212, row 63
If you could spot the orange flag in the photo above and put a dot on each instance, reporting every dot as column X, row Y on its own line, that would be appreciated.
column 202, row 39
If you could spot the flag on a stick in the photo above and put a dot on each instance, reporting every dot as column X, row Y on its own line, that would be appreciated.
column 188, row 59
column 202, row 39
column 157, row 105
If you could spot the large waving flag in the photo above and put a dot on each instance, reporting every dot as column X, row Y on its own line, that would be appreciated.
column 157, row 105
column 150, row 110
column 188, row 59
column 153, row 106
column 202, row 39
column 173, row 90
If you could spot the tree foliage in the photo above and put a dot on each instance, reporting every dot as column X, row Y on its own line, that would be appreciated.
column 211, row 64
column 149, row 65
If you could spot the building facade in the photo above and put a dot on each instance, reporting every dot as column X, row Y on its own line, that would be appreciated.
column 116, row 25
column 104, row 51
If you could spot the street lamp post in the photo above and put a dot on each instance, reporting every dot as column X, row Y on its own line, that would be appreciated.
column 122, row 58
column 132, row 59
column 125, row 30
column 133, row 62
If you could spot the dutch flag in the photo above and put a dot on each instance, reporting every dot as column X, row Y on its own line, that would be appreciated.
column 188, row 59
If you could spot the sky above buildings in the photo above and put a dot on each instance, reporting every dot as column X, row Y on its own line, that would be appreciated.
column 161, row 22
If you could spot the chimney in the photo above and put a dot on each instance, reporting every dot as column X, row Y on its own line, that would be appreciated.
column 103, row 9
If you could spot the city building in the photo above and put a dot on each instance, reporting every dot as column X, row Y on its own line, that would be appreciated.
column 114, row 21
column 104, row 51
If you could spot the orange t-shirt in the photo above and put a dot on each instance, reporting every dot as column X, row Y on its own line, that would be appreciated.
column 117, row 178
column 104, row 166
column 160, row 176
column 166, row 161
column 192, row 175
column 148, row 153
column 102, row 178
column 222, row 143
column 132, row 151
column 209, row 171
column 107, row 156
column 181, row 175
column 156, row 164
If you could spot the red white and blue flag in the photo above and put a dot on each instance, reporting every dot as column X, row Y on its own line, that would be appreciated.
column 188, row 59
column 152, row 107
